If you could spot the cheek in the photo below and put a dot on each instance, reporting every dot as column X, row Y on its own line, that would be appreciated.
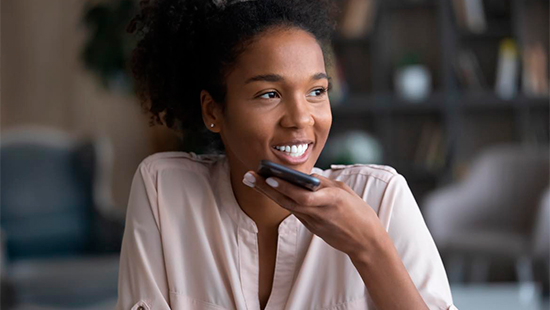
column 248, row 130
column 323, row 122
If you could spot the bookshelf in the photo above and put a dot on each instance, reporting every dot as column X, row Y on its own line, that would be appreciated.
column 467, row 117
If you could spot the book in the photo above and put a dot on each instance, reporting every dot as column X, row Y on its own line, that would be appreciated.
column 470, row 15
column 460, row 13
column 534, row 49
column 507, row 70
column 423, row 144
column 469, row 72
column 357, row 18
column 475, row 16
column 430, row 152
column 436, row 157
column 535, row 70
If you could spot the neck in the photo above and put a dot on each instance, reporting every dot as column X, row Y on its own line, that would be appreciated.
column 266, row 213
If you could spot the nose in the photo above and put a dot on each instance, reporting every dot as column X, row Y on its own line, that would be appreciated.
column 298, row 113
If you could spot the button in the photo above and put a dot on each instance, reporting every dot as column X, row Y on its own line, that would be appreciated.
column 141, row 305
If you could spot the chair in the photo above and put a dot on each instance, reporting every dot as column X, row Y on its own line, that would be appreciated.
column 492, row 214
column 60, row 239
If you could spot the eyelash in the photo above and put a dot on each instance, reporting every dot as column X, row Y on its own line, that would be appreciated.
column 323, row 91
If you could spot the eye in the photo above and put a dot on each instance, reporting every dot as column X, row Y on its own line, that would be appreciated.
column 269, row 93
column 319, row 92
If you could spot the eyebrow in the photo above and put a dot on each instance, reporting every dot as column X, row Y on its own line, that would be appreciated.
column 278, row 78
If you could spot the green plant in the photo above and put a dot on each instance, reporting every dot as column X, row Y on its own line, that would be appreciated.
column 108, row 47
column 410, row 58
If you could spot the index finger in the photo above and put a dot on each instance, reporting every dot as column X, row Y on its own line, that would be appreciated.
column 325, row 182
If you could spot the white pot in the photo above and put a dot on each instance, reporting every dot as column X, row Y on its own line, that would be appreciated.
column 413, row 83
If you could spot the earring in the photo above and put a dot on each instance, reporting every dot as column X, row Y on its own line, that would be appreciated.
column 211, row 125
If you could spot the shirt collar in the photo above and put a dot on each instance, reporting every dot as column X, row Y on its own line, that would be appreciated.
column 228, row 201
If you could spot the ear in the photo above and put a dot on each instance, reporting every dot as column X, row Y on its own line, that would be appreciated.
column 211, row 112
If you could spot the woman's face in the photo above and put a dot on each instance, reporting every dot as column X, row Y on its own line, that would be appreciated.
column 276, row 97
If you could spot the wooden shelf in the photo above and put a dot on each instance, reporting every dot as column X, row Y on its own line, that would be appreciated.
column 487, row 101
column 408, row 5
column 433, row 104
column 359, row 104
column 495, row 30
column 467, row 120
column 535, row 103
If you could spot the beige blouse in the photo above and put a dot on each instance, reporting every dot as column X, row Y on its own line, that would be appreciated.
column 188, row 245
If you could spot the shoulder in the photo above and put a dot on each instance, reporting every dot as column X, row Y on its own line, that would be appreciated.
column 179, row 161
column 370, row 181
column 362, row 178
column 383, row 173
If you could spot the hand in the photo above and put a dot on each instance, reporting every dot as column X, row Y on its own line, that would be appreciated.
column 334, row 212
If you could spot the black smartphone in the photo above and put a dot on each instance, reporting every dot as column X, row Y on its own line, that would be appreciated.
column 270, row 169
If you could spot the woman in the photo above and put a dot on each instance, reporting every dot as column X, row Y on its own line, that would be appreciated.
column 206, row 231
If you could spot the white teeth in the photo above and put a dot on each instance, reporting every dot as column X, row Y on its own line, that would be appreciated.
column 294, row 150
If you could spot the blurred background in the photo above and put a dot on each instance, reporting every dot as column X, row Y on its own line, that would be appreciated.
column 452, row 93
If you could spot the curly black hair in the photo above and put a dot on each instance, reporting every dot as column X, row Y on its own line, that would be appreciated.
column 186, row 46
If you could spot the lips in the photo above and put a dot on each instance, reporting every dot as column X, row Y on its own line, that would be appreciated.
column 289, row 160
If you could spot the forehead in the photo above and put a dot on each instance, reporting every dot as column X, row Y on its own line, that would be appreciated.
column 291, row 53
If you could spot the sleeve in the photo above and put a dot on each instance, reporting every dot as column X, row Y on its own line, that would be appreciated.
column 142, row 281
column 415, row 245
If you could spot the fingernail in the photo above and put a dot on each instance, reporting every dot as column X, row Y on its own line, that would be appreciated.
column 250, row 178
column 271, row 182
column 247, row 183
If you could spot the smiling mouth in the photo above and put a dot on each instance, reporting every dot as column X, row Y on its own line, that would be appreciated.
column 297, row 154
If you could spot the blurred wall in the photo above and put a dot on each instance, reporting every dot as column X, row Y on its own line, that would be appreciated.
column 44, row 83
